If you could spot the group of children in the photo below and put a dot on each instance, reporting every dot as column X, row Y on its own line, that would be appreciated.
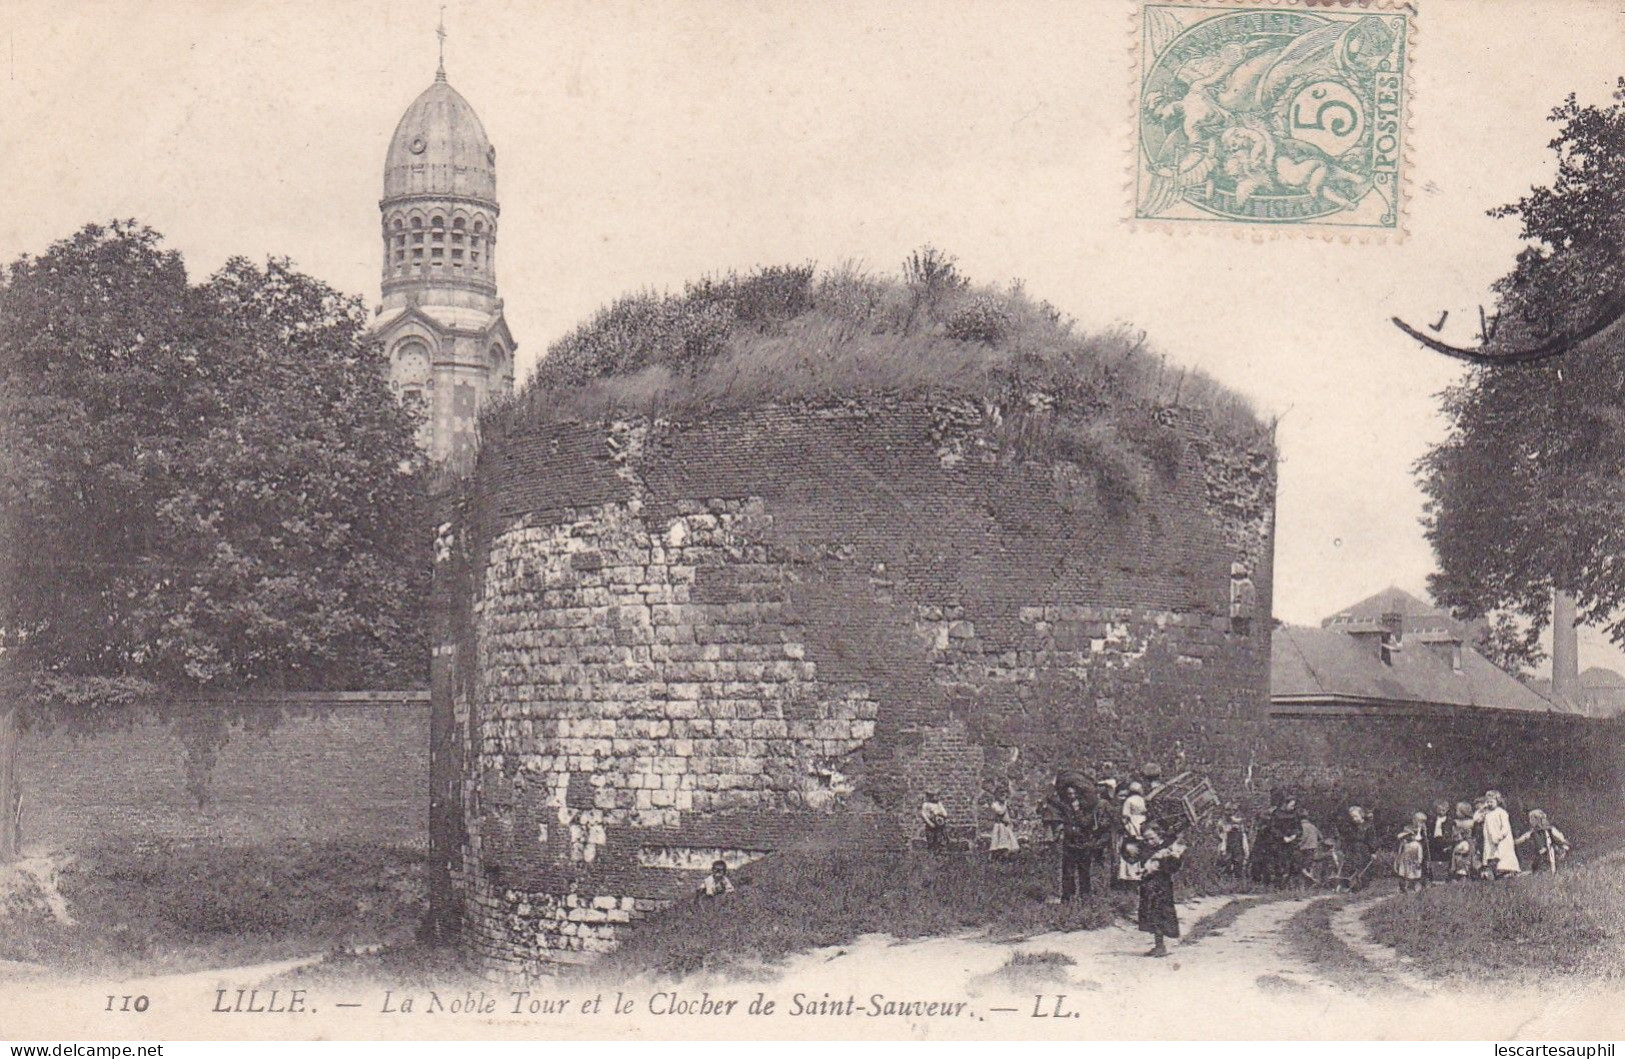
column 1105, row 821
column 1094, row 821
column 1473, row 840
column 1002, row 832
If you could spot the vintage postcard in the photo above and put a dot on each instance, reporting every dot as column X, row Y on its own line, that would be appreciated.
column 560, row 520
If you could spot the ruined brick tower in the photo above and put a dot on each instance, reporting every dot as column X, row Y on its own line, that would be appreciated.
column 441, row 321
column 659, row 644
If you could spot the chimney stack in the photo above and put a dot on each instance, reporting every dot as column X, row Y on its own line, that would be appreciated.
column 1393, row 635
column 1565, row 649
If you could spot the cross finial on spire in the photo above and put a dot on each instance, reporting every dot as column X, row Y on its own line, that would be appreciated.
column 440, row 31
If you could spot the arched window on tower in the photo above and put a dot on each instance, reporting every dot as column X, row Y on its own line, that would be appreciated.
column 398, row 247
column 437, row 242
column 501, row 369
column 411, row 374
column 417, row 243
column 459, row 243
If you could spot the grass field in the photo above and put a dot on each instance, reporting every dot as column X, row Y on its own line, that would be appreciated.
column 170, row 907
column 1519, row 930
column 166, row 907
column 794, row 902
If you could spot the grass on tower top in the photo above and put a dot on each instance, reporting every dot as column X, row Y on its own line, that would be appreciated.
column 794, row 334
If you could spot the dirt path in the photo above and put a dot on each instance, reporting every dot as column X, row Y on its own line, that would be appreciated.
column 1348, row 926
column 1264, row 974
column 1258, row 970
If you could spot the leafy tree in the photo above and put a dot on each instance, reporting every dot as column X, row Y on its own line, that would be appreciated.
column 1527, row 492
column 202, row 487
column 1513, row 646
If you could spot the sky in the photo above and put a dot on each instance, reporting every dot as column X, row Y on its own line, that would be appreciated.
column 644, row 144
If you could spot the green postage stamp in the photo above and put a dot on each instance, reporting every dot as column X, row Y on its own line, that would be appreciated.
column 1272, row 114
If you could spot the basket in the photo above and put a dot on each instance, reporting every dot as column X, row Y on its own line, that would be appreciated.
column 1183, row 802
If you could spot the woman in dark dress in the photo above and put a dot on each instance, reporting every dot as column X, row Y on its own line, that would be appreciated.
column 1356, row 837
column 1158, row 916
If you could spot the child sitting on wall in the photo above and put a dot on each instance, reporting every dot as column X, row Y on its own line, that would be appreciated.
column 717, row 883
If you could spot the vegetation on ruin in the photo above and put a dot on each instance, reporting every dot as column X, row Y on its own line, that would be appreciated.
column 156, row 907
column 795, row 334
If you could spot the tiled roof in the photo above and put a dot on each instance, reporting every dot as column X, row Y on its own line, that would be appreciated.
column 1601, row 693
column 1420, row 615
column 1332, row 665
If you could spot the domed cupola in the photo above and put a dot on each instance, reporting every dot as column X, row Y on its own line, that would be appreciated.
column 441, row 321
column 440, row 148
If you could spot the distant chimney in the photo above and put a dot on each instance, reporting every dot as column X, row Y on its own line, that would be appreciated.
column 1446, row 648
column 1565, row 649
column 1393, row 635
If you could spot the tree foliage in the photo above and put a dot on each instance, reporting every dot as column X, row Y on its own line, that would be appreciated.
column 202, row 486
column 1512, row 645
column 1527, row 492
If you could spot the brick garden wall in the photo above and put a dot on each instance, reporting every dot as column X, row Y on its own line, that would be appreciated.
column 1398, row 762
column 294, row 766
column 662, row 643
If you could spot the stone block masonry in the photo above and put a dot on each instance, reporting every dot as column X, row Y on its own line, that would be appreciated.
column 778, row 628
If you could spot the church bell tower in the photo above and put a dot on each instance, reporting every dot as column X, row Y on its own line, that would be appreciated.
column 441, row 321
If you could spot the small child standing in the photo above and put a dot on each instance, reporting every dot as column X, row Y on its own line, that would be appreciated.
column 934, row 814
column 1233, row 846
column 1159, row 916
column 1547, row 845
column 1461, row 838
column 1001, row 843
column 1410, row 860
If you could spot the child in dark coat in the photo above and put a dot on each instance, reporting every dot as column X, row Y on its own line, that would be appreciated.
column 1159, row 861
column 1547, row 846
column 1234, row 847
column 934, row 815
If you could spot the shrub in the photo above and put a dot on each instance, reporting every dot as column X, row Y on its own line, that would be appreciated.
column 1093, row 402
column 984, row 318
column 764, row 298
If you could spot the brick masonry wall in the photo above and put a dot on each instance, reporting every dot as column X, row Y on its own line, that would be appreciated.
column 320, row 767
column 1400, row 764
column 781, row 627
